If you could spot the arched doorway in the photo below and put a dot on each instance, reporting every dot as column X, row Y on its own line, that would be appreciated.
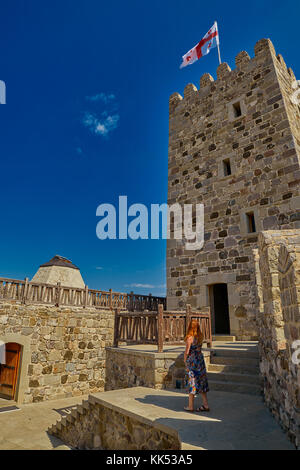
column 9, row 372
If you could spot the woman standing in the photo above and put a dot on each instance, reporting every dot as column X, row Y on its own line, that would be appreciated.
column 195, row 365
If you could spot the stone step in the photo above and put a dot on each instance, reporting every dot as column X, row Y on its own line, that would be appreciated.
column 230, row 360
column 231, row 352
column 75, row 413
column 234, row 387
column 236, row 369
column 63, row 421
column 238, row 378
column 80, row 409
column 58, row 426
column 70, row 418
column 51, row 429
column 224, row 338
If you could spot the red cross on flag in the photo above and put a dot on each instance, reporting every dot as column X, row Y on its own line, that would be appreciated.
column 210, row 40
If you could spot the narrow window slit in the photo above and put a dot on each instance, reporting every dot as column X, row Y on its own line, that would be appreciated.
column 227, row 167
column 251, row 222
column 237, row 109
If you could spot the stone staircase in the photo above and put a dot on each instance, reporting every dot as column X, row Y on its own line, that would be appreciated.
column 234, row 367
column 58, row 429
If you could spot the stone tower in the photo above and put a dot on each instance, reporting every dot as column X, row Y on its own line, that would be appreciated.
column 59, row 269
column 234, row 145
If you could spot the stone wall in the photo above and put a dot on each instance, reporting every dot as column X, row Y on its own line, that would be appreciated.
column 63, row 349
column 278, row 281
column 262, row 146
column 96, row 426
column 129, row 368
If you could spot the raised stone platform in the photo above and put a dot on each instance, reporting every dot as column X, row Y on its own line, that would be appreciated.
column 236, row 422
column 231, row 367
column 142, row 365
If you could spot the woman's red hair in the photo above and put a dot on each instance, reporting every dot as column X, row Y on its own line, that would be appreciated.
column 194, row 330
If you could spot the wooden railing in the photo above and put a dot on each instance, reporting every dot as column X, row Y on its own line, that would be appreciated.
column 30, row 292
column 160, row 327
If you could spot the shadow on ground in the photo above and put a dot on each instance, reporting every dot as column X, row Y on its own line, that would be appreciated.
column 236, row 421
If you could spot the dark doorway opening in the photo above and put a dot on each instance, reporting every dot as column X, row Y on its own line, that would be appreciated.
column 220, row 309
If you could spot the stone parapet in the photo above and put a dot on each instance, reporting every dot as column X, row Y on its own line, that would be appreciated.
column 100, row 423
column 127, row 367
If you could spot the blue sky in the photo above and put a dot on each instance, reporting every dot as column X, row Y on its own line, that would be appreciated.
column 86, row 120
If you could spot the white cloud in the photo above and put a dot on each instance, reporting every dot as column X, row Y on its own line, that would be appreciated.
column 99, row 267
column 146, row 286
column 104, row 117
column 101, row 126
column 104, row 97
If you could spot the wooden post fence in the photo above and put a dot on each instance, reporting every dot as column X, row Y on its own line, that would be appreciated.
column 25, row 290
column 86, row 296
column 58, row 289
column 160, row 328
column 110, row 298
column 188, row 316
column 116, row 327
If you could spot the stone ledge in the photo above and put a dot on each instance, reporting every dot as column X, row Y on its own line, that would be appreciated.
column 132, row 408
column 154, row 355
column 229, row 425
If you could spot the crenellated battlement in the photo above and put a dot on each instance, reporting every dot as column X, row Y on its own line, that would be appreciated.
column 263, row 49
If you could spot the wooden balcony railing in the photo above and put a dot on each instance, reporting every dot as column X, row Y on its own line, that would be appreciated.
column 30, row 292
column 160, row 327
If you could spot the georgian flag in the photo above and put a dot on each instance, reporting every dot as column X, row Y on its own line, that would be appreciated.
column 210, row 40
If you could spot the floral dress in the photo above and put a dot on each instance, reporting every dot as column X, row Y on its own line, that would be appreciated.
column 196, row 370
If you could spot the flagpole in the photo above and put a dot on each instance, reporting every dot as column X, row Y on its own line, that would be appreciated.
column 219, row 54
column 218, row 45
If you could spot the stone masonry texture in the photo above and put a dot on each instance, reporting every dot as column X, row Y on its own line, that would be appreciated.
column 278, row 284
column 100, row 428
column 262, row 145
column 65, row 348
column 129, row 368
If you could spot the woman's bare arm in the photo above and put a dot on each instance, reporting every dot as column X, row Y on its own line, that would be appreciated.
column 188, row 346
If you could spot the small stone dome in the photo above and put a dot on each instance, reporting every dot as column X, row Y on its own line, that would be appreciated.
column 59, row 269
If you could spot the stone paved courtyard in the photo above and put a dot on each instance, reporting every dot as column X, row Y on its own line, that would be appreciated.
column 26, row 428
column 237, row 421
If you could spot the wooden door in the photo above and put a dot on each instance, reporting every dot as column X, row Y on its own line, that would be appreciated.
column 9, row 371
